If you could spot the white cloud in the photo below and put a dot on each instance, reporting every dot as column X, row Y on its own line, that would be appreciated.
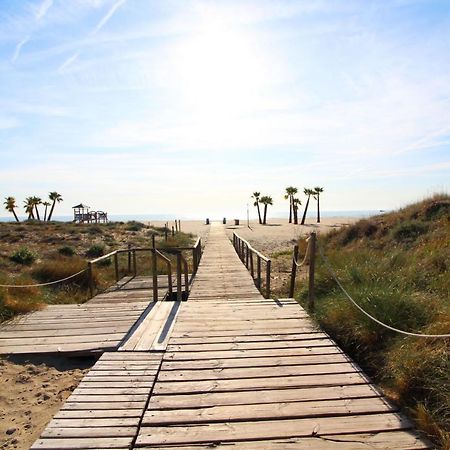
column 107, row 17
column 43, row 9
column 18, row 48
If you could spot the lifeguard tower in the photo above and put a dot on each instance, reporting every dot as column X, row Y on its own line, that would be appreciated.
column 82, row 214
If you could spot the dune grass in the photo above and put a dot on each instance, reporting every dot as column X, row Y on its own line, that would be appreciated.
column 396, row 266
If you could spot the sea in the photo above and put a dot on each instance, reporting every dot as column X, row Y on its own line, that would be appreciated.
column 212, row 217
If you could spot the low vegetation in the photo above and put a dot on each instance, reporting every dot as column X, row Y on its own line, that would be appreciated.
column 35, row 252
column 395, row 266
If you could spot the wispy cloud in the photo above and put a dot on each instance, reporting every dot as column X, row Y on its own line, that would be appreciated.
column 103, row 21
column 107, row 17
column 68, row 62
column 43, row 9
column 18, row 48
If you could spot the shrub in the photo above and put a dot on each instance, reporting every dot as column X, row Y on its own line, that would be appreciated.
column 95, row 229
column 134, row 226
column 409, row 231
column 67, row 251
column 58, row 269
column 95, row 251
column 24, row 256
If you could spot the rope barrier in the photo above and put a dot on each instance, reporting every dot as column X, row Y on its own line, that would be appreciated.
column 408, row 333
column 41, row 284
column 304, row 259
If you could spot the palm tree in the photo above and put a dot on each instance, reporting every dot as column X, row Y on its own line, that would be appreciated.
column 265, row 200
column 46, row 204
column 29, row 207
column 317, row 191
column 307, row 192
column 295, row 204
column 37, row 201
column 256, row 197
column 10, row 205
column 55, row 197
column 290, row 192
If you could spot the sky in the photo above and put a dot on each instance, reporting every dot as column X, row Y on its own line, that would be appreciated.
column 187, row 107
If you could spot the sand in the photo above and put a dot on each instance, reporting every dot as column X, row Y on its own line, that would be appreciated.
column 32, row 389
column 277, row 235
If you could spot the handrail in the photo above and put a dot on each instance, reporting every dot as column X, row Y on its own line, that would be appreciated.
column 169, row 269
column 246, row 252
column 131, row 251
column 309, row 258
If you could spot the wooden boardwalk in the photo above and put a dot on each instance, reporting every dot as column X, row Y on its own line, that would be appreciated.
column 100, row 324
column 239, row 371
column 244, row 372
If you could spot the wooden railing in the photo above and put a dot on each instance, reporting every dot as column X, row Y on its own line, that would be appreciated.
column 309, row 259
column 248, row 254
column 182, row 267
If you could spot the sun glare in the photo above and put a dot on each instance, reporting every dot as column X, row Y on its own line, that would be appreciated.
column 221, row 73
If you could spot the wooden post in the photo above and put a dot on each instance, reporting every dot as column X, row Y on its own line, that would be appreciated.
column 169, row 279
column 258, row 272
column 179, row 292
column 312, row 264
column 129, row 259
column 173, row 231
column 165, row 232
column 116, row 266
column 247, row 257
column 176, row 225
column 179, row 225
column 293, row 272
column 252, row 271
column 268, row 266
column 134, row 263
column 154, row 270
column 90, row 279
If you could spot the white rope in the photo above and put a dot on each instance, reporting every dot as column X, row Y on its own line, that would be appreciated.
column 41, row 284
column 333, row 274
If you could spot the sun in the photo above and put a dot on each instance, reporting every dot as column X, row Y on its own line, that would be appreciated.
column 221, row 73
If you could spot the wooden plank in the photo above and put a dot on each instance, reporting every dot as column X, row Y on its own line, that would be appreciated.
column 83, row 443
column 266, row 429
column 267, row 411
column 254, row 362
column 399, row 439
column 254, row 372
column 186, row 356
column 247, row 384
column 269, row 396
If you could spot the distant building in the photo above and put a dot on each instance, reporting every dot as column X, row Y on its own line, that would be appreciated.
column 82, row 214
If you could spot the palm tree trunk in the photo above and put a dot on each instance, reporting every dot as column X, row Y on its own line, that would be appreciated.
column 290, row 208
column 37, row 212
column 15, row 215
column 295, row 215
column 318, row 209
column 265, row 214
column 45, row 213
column 259, row 213
column 306, row 209
column 51, row 211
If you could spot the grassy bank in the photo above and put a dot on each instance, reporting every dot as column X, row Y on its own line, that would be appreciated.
column 40, row 252
column 396, row 266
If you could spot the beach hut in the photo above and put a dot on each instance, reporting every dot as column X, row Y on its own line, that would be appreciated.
column 81, row 213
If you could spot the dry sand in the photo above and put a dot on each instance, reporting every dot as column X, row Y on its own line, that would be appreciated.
column 32, row 389
column 277, row 235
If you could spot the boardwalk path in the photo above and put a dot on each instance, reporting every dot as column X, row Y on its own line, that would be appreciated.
column 239, row 372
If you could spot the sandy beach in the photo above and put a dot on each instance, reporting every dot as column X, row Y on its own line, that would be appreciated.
column 33, row 389
column 276, row 235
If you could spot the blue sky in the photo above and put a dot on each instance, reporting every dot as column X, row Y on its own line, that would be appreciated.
column 187, row 107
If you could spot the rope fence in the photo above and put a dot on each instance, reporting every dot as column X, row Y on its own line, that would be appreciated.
column 42, row 284
column 379, row 322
